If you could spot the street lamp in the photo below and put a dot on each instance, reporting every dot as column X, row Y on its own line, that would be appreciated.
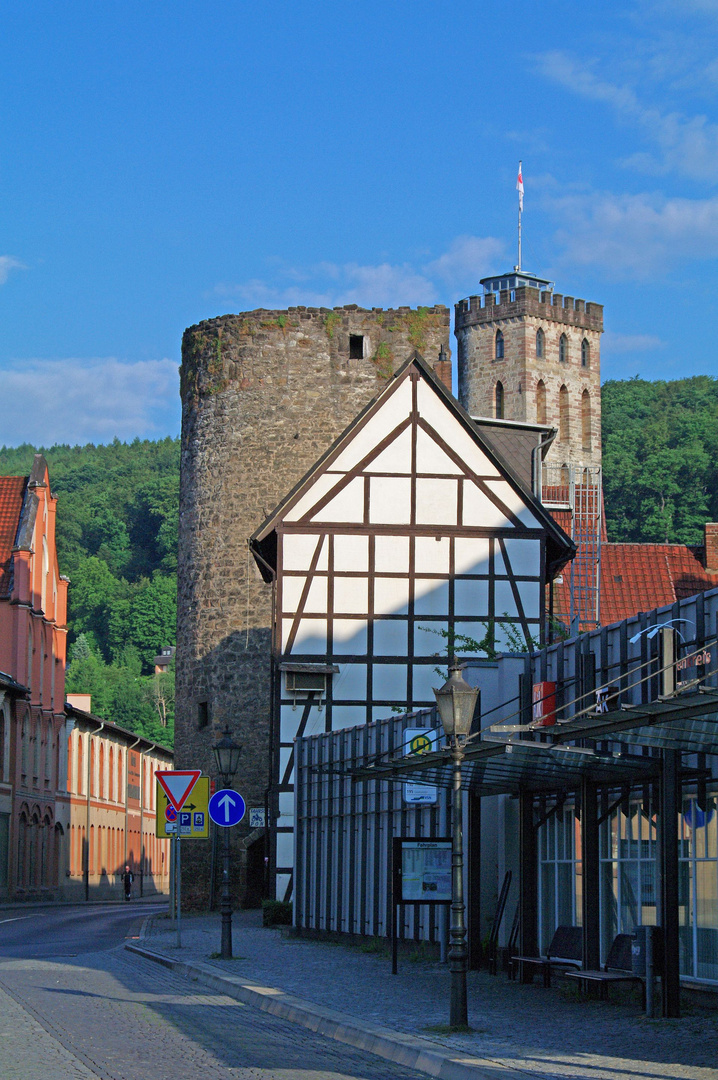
column 456, row 701
column 226, row 755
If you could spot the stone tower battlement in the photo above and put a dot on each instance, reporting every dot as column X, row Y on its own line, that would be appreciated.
column 528, row 353
column 264, row 395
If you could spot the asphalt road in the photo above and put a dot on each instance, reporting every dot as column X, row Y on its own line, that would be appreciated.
column 74, row 1005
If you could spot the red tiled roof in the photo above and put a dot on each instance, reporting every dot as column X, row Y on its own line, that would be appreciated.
column 12, row 492
column 640, row 577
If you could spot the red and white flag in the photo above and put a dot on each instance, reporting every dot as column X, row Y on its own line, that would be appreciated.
column 520, row 188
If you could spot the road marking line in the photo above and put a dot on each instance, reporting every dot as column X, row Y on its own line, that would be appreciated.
column 18, row 918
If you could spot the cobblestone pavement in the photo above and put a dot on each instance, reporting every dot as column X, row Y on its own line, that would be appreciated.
column 546, row 1033
column 115, row 1016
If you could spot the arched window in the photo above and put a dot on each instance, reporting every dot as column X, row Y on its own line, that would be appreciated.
column 585, row 353
column 23, row 746
column 539, row 344
column 499, row 353
column 563, row 349
column 499, row 401
column 111, row 776
column 37, row 738
column 563, row 422
column 48, row 751
column 93, row 788
column 120, row 792
column 80, row 778
column 102, row 772
column 586, row 419
column 541, row 402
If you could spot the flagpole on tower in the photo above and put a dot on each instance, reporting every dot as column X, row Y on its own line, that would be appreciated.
column 520, row 189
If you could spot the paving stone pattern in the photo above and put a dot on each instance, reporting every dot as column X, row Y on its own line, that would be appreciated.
column 546, row 1033
column 119, row 1017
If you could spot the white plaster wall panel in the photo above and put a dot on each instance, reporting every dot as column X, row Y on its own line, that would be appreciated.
column 452, row 432
column 345, row 716
column 389, row 500
column 431, row 597
column 316, row 601
column 480, row 512
column 524, row 556
column 499, row 564
column 323, row 483
column 298, row 551
column 346, row 506
column 351, row 595
column 530, row 593
column 391, row 637
column 285, row 848
column 316, row 723
column 430, row 458
column 282, row 885
column 351, row 553
column 475, row 630
column 436, row 501
column 285, row 752
column 431, row 555
column 513, row 501
column 389, row 682
column 428, row 640
column 394, row 409
column 424, row 680
column 350, row 635
column 396, row 458
column 391, row 554
column 471, row 597
column 350, row 683
column 286, row 806
column 391, row 596
column 290, row 719
column 311, row 636
column 471, row 555
column 504, row 600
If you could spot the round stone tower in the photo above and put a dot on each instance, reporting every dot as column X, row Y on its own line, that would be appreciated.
column 528, row 353
column 264, row 394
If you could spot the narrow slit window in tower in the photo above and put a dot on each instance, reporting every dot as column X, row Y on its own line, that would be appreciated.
column 585, row 354
column 499, row 353
column 499, row 401
column 563, row 349
column 586, row 419
column 563, row 424
column 539, row 344
column 356, row 346
column 541, row 402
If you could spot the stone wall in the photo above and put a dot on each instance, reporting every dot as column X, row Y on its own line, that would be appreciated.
column 519, row 316
column 264, row 394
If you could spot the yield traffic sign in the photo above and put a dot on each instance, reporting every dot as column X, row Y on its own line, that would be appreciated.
column 177, row 784
column 226, row 807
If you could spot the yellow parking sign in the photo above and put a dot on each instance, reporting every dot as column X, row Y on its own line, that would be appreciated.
column 192, row 821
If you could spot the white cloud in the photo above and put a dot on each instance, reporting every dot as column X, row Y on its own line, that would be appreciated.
column 88, row 400
column 384, row 284
column 687, row 145
column 8, row 263
column 612, row 342
column 634, row 234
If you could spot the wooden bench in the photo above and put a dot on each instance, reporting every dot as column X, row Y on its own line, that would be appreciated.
column 565, row 951
column 617, row 969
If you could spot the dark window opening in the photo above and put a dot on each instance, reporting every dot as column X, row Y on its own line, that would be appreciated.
column 356, row 346
column 202, row 714
column 499, row 345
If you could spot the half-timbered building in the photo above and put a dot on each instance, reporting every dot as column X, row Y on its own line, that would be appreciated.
column 410, row 528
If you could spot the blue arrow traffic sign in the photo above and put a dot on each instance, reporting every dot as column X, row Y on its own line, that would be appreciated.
column 227, row 808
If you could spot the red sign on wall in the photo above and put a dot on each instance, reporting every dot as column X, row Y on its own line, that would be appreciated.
column 543, row 697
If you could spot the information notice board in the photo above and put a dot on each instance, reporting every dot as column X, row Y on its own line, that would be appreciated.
column 421, row 874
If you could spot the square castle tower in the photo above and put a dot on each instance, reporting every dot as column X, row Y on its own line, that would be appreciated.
column 527, row 353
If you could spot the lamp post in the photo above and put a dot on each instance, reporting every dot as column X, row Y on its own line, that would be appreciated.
column 456, row 701
column 226, row 756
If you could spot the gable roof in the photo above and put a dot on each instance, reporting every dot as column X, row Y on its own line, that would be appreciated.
column 560, row 548
column 12, row 497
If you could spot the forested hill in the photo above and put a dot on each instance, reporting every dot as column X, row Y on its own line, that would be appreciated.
column 118, row 511
column 660, row 459
column 117, row 542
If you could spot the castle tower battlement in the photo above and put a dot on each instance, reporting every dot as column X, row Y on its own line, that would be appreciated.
column 528, row 353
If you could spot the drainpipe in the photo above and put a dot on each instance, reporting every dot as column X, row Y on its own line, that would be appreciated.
column 127, row 777
column 142, row 810
column 87, row 826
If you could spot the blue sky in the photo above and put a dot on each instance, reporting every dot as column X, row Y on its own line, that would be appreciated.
column 164, row 163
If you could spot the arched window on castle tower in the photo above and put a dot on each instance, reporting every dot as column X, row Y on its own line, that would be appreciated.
column 586, row 420
column 563, row 423
column 499, row 346
column 585, row 353
column 539, row 344
column 541, row 402
column 499, row 401
column 563, row 349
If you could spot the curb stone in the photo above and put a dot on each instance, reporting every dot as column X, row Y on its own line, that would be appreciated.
column 408, row 1050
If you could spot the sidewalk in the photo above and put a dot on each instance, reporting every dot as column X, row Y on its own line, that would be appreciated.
column 349, row 993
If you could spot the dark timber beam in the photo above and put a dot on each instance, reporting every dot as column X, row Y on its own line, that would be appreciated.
column 591, row 877
column 670, row 798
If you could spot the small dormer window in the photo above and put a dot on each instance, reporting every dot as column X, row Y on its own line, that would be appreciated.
column 356, row 346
